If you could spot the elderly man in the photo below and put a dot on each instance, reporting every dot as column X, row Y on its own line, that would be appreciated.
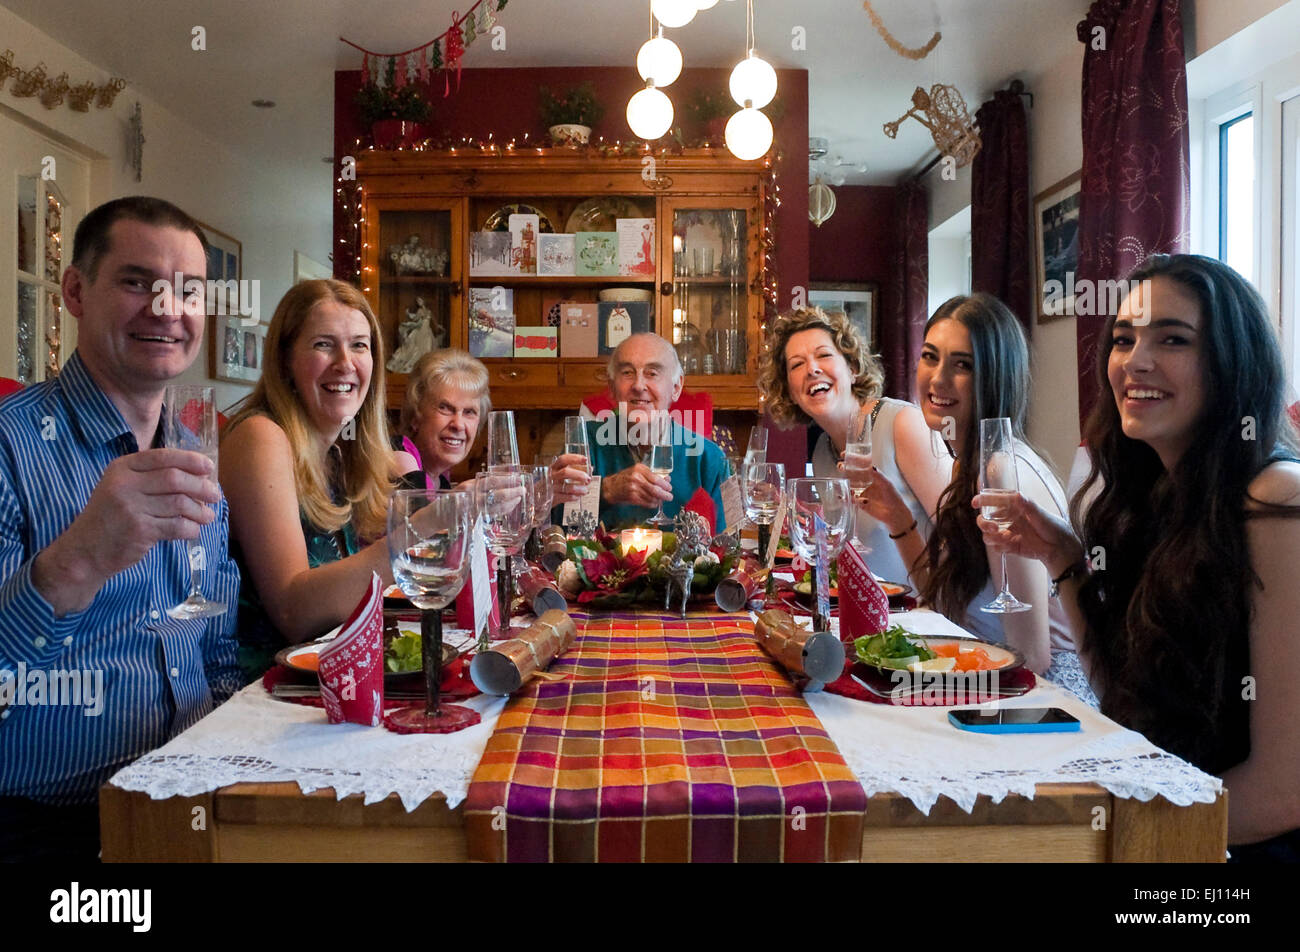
column 93, row 671
column 645, row 378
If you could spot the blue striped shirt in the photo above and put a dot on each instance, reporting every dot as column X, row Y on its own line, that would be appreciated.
column 157, row 675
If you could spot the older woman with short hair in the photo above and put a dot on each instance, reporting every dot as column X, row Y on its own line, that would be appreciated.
column 446, row 401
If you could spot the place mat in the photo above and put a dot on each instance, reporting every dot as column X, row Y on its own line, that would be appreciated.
column 670, row 739
column 932, row 690
column 456, row 684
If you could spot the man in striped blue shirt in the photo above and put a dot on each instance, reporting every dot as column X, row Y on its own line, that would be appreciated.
column 93, row 672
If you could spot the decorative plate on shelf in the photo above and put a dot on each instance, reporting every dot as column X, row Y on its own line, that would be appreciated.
column 499, row 220
column 601, row 214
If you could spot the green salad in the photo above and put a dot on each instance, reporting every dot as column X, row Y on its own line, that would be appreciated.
column 892, row 648
column 403, row 654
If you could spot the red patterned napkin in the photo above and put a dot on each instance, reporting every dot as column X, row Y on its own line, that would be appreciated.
column 352, row 665
column 864, row 606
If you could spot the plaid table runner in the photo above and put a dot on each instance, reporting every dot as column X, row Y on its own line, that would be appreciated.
column 669, row 740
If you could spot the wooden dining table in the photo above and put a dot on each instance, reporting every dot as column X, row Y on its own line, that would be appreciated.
column 277, row 821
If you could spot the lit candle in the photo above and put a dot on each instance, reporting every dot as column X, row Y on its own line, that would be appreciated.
column 648, row 541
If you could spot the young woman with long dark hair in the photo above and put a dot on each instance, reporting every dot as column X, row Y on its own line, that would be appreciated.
column 1187, row 599
column 974, row 365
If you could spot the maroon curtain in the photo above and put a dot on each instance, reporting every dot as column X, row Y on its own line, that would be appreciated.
column 902, row 332
column 1136, row 191
column 1001, row 257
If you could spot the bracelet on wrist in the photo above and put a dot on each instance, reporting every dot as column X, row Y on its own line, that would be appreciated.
column 900, row 535
column 1077, row 569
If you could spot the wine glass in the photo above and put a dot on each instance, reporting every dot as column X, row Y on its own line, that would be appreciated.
column 813, row 499
column 998, row 482
column 190, row 423
column 857, row 460
column 505, row 505
column 757, row 450
column 429, row 545
column 761, row 485
column 502, row 449
column 660, row 461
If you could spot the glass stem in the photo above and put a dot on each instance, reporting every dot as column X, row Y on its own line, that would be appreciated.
column 505, row 594
column 431, row 651
column 764, row 540
column 1006, row 583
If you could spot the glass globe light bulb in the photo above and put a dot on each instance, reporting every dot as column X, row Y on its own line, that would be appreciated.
column 659, row 60
column 673, row 13
column 649, row 113
column 753, row 79
column 749, row 134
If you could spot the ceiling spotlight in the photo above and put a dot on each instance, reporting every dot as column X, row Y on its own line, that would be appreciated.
column 649, row 113
column 673, row 13
column 659, row 60
column 264, row 103
column 749, row 133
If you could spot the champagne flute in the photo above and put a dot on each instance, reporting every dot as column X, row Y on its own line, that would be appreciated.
column 761, row 485
column 757, row 450
column 576, row 443
column 857, row 461
column 998, row 482
column 190, row 423
column 502, row 449
column 543, row 496
column 661, row 461
column 813, row 499
column 505, row 504
column 429, row 543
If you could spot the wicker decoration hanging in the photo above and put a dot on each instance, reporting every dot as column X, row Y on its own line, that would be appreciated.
column 921, row 52
column 943, row 111
column 821, row 202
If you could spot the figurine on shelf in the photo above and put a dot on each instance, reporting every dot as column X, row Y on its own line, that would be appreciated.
column 415, row 258
column 415, row 337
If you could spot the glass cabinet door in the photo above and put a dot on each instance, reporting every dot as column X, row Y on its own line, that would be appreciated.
column 711, row 295
column 418, row 289
column 38, row 341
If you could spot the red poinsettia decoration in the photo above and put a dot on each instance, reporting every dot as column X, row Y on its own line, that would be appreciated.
column 610, row 574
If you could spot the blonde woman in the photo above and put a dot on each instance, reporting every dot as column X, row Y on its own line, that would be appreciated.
column 818, row 371
column 307, row 468
column 446, row 402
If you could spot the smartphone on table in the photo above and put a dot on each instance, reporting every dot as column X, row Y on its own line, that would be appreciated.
column 1014, row 720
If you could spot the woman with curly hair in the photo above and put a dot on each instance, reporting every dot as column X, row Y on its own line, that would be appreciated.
column 974, row 365
column 307, row 468
column 816, row 370
column 1187, row 598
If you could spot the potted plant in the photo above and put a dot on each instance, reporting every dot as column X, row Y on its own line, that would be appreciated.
column 710, row 112
column 570, row 115
column 393, row 114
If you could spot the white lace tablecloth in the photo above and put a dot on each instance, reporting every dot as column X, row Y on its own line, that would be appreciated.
column 916, row 752
column 913, row 751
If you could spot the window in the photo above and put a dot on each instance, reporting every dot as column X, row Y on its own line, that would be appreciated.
column 1237, row 194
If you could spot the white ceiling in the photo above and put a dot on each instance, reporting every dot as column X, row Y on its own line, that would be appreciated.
column 287, row 50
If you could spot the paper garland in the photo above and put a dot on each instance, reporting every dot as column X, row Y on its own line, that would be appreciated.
column 443, row 52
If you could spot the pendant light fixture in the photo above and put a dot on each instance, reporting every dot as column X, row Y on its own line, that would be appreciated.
column 649, row 111
column 674, row 13
column 753, row 85
column 659, row 60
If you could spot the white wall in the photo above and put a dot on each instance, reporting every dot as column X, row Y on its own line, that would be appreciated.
column 271, row 210
column 1055, row 152
column 1216, row 20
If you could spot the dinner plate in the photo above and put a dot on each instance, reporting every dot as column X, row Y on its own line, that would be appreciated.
column 602, row 214
column 1006, row 657
column 499, row 220
column 304, row 660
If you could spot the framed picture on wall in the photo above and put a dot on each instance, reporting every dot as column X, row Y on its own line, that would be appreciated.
column 858, row 300
column 1056, row 240
column 235, row 349
column 225, row 263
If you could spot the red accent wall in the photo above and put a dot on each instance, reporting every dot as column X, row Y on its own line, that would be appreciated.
column 857, row 243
